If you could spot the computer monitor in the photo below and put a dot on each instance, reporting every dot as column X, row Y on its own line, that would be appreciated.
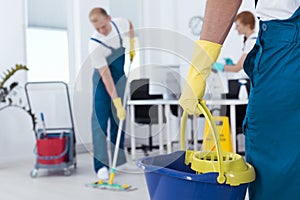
column 164, row 79
column 216, row 83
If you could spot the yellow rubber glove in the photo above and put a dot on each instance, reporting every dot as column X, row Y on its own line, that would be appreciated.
column 132, row 51
column 204, row 55
column 121, row 112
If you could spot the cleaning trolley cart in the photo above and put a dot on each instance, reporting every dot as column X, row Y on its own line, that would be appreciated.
column 195, row 175
column 54, row 132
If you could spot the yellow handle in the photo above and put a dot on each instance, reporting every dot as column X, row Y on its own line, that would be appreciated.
column 182, row 129
column 111, row 177
column 203, row 108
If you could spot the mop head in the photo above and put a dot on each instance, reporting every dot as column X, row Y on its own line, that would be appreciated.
column 105, row 185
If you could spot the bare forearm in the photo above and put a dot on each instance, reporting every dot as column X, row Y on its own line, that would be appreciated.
column 131, row 30
column 108, row 82
column 232, row 68
column 218, row 19
column 238, row 66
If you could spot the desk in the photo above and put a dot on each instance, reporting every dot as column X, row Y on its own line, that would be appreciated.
column 160, row 103
column 167, row 103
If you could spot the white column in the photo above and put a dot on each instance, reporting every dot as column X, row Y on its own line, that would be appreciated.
column 168, row 119
column 233, row 127
column 132, row 130
column 160, row 122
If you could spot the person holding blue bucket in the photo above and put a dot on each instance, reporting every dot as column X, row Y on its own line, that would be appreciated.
column 107, row 55
column 273, row 113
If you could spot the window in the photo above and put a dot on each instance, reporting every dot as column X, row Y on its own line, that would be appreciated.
column 47, row 54
column 47, row 40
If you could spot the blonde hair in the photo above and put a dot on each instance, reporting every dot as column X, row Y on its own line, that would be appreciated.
column 96, row 11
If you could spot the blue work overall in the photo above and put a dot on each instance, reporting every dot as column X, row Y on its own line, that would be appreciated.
column 272, row 120
column 103, row 109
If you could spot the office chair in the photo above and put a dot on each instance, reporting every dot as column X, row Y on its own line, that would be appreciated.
column 145, row 114
column 234, row 88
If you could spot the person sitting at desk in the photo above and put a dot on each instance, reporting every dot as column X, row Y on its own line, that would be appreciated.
column 245, row 25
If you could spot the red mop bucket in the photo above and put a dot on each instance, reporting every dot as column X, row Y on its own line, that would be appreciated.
column 197, row 175
column 51, row 150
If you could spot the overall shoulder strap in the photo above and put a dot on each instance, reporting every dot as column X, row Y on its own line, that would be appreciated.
column 256, row 3
column 98, row 41
column 121, row 41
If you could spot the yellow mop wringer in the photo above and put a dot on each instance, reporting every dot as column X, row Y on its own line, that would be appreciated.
column 197, row 175
column 232, row 168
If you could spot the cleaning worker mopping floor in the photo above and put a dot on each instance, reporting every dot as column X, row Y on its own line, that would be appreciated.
column 107, row 55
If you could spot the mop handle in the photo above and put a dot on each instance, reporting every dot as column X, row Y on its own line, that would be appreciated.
column 114, row 164
column 43, row 124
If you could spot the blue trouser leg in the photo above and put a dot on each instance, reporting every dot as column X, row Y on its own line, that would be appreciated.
column 99, row 133
column 100, row 119
column 273, row 112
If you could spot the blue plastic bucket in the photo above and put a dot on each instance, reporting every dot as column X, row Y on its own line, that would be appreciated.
column 168, row 177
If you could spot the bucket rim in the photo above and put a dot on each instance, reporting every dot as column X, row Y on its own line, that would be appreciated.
column 209, row 177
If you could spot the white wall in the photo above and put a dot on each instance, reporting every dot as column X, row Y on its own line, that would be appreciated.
column 12, row 38
column 15, row 125
column 41, row 13
column 175, row 15
column 129, row 9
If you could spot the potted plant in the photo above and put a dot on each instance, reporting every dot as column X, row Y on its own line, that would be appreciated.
column 7, row 92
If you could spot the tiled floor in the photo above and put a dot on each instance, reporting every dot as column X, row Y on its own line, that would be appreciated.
column 16, row 183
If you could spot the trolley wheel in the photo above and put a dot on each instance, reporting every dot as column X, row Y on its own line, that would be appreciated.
column 34, row 173
column 67, row 172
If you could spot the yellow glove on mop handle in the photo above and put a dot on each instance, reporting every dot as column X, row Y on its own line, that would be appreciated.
column 121, row 112
column 204, row 55
column 132, row 51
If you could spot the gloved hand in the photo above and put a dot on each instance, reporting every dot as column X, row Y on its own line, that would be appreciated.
column 228, row 61
column 218, row 66
column 204, row 55
column 121, row 112
column 132, row 51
